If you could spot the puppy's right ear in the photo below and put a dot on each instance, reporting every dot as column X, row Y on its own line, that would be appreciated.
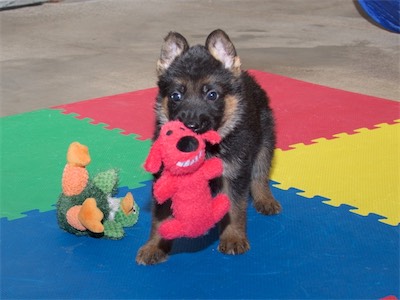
column 174, row 45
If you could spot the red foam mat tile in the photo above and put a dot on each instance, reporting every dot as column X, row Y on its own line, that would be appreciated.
column 306, row 111
column 303, row 111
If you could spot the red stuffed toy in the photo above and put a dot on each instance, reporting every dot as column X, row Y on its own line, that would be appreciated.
column 185, row 180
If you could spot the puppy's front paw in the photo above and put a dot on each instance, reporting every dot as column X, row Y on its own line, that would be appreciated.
column 271, row 207
column 234, row 245
column 150, row 255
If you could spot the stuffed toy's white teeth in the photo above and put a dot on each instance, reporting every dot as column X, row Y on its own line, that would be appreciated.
column 189, row 162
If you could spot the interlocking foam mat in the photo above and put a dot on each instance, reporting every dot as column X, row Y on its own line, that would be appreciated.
column 336, row 172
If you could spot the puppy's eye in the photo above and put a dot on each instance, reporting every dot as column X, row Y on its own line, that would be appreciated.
column 212, row 95
column 175, row 96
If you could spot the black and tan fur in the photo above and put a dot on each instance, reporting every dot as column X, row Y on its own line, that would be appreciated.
column 205, row 88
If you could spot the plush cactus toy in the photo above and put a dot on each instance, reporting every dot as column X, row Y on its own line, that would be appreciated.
column 87, row 206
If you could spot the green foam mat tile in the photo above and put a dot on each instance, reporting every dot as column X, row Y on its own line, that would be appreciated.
column 33, row 156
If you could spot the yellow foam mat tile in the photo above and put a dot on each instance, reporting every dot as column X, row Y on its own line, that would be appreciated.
column 361, row 170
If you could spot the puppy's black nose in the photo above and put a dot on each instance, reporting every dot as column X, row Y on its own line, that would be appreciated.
column 187, row 144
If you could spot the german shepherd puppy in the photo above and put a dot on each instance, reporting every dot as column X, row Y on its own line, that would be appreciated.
column 205, row 88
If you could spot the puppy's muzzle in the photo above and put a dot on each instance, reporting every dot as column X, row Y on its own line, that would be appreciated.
column 197, row 123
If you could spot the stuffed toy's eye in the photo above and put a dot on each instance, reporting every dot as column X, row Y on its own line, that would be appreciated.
column 212, row 95
column 175, row 96
column 169, row 132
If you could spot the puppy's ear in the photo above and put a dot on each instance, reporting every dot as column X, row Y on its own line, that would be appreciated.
column 174, row 45
column 221, row 47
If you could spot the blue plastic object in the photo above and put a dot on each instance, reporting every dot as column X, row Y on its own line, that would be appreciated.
column 384, row 12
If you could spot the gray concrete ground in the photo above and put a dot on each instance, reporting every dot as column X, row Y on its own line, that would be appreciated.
column 74, row 50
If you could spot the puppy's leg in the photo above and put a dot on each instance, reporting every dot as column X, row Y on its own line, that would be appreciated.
column 233, row 239
column 156, row 249
column 264, row 201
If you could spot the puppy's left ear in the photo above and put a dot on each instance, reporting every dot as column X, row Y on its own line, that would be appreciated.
column 221, row 47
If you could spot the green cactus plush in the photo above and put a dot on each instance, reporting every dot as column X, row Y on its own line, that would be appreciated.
column 88, row 206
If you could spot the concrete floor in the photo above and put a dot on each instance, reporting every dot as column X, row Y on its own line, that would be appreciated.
column 74, row 50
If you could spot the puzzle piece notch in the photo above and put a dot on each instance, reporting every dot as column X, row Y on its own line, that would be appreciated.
column 282, row 185
column 133, row 112
column 323, row 200
column 105, row 126
column 360, row 212
column 303, row 145
column 339, row 135
column 32, row 213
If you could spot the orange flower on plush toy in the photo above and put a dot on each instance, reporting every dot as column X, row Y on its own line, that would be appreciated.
column 185, row 180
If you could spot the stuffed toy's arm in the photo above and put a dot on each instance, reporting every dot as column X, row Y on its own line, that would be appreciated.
column 212, row 168
column 164, row 188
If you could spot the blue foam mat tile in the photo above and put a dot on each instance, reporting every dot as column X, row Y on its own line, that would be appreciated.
column 311, row 250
